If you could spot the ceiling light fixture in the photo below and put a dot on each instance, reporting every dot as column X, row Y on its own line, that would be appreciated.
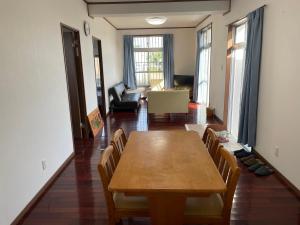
column 156, row 20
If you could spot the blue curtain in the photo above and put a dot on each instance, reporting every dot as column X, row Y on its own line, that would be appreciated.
column 168, row 60
column 249, row 101
column 129, row 78
column 196, row 77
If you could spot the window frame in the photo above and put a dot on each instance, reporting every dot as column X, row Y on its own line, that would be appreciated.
column 202, row 48
column 148, row 50
column 231, row 46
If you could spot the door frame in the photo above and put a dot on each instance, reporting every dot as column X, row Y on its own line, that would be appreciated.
column 101, row 73
column 80, row 82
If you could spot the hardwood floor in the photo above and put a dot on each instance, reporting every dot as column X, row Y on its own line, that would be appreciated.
column 76, row 197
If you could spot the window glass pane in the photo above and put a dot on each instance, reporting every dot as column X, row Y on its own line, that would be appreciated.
column 140, row 42
column 155, row 42
column 204, row 68
column 236, row 78
column 240, row 34
column 148, row 56
column 209, row 36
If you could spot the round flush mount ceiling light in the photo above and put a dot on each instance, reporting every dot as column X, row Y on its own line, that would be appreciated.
column 156, row 20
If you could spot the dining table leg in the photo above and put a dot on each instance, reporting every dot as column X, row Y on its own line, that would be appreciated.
column 167, row 209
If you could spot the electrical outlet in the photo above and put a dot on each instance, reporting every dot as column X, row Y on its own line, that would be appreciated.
column 44, row 165
column 276, row 151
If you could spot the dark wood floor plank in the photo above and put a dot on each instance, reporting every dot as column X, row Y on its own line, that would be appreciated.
column 76, row 197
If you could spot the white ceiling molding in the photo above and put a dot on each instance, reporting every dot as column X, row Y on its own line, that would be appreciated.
column 139, row 22
column 157, row 8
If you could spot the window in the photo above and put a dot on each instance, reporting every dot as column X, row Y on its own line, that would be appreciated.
column 238, row 53
column 148, row 57
column 204, row 66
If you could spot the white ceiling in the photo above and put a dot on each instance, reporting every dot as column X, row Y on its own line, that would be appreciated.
column 129, row 22
column 131, row 14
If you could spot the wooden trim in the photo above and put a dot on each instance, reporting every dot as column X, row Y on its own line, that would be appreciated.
column 99, row 42
column 110, row 23
column 68, row 27
column 243, row 17
column 24, row 213
column 140, row 2
column 227, row 76
column 155, row 28
column 147, row 35
column 87, row 8
column 291, row 187
column 229, row 10
column 202, row 21
column 81, row 88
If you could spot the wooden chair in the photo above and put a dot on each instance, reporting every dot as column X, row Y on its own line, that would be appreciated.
column 215, row 127
column 212, row 143
column 216, row 208
column 118, row 205
column 119, row 141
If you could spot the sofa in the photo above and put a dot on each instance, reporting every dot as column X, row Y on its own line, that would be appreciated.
column 121, row 100
column 168, row 101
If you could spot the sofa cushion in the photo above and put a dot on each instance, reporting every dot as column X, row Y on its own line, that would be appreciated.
column 120, row 90
column 130, row 202
column 132, row 97
column 204, row 206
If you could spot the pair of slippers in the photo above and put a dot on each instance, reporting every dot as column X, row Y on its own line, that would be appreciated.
column 242, row 153
column 254, row 165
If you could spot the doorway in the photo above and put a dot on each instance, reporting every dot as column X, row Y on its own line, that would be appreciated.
column 75, row 83
column 100, row 90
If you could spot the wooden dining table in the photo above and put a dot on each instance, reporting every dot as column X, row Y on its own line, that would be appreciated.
column 166, row 167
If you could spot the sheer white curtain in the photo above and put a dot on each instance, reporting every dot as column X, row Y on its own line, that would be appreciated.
column 237, row 77
column 204, row 66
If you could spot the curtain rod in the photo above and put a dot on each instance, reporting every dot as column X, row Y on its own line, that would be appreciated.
column 263, row 6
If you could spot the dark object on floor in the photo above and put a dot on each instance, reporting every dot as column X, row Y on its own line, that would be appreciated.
column 239, row 151
column 243, row 154
column 256, row 166
column 250, row 162
column 184, row 82
column 122, row 100
column 264, row 171
column 247, row 157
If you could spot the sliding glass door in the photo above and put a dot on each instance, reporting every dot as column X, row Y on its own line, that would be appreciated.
column 204, row 66
column 238, row 53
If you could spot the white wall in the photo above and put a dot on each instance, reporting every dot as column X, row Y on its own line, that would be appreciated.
column 35, row 119
column 184, row 47
column 279, row 104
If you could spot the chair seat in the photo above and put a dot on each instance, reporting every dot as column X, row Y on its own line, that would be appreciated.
column 130, row 202
column 204, row 206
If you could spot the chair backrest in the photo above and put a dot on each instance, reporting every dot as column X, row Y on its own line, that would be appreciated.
column 212, row 143
column 230, row 173
column 215, row 127
column 204, row 137
column 106, row 168
column 119, row 141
